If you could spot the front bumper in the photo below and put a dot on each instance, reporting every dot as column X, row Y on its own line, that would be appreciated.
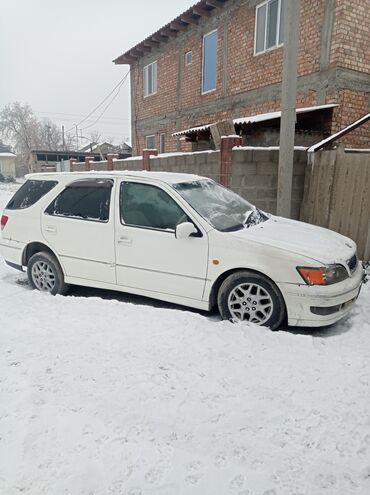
column 301, row 298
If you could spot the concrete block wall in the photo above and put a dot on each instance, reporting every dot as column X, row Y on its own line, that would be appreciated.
column 98, row 166
column 253, row 173
column 79, row 167
column 254, row 176
column 128, row 164
column 203, row 163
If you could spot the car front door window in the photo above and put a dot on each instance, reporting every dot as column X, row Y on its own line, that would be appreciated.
column 147, row 206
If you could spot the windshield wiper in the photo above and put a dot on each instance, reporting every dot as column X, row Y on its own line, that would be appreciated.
column 255, row 217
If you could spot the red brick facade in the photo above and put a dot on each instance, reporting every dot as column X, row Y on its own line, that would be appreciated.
column 333, row 67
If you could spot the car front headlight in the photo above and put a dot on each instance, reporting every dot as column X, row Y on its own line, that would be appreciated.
column 326, row 275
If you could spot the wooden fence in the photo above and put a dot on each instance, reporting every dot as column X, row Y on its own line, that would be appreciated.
column 337, row 195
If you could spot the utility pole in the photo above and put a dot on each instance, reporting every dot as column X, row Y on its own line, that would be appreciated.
column 76, row 138
column 63, row 139
column 288, row 107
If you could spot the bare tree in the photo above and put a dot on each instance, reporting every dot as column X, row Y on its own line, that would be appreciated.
column 19, row 125
column 50, row 135
column 95, row 137
column 25, row 132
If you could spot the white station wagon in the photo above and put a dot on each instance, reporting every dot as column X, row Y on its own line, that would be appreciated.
column 179, row 238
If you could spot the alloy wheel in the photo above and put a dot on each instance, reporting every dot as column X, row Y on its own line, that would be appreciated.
column 43, row 276
column 250, row 302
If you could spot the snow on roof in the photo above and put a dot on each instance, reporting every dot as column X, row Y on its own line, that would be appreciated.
column 7, row 155
column 266, row 148
column 253, row 119
column 343, row 132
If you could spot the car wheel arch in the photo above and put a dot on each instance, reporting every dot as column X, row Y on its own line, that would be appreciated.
column 36, row 247
column 223, row 276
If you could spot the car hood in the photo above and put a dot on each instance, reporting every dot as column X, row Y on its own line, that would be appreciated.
column 322, row 245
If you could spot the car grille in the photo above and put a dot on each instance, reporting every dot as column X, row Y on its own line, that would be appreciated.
column 352, row 263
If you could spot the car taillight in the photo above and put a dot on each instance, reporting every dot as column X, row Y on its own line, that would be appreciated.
column 4, row 221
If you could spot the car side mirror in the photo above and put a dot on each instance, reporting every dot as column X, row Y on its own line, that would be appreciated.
column 184, row 230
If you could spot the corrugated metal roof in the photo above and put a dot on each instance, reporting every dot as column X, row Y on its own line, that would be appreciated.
column 343, row 132
column 253, row 119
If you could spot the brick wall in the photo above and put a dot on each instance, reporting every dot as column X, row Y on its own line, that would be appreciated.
column 351, row 35
column 353, row 105
column 334, row 49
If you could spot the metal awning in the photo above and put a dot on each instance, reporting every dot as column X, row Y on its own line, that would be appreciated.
column 254, row 119
column 325, row 142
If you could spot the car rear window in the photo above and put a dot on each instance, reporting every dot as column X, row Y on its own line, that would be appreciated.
column 84, row 199
column 30, row 193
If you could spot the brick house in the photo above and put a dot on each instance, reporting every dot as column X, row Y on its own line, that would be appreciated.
column 222, row 59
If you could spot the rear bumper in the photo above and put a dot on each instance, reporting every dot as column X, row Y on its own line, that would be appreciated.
column 11, row 251
column 303, row 301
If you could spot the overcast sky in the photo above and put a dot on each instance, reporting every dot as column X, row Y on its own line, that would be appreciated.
column 57, row 56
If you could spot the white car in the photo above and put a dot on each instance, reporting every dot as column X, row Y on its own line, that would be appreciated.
column 179, row 238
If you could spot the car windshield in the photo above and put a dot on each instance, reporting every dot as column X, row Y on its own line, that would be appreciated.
column 222, row 208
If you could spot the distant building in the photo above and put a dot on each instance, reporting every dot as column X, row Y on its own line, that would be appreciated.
column 7, row 161
column 223, row 59
column 105, row 148
column 44, row 160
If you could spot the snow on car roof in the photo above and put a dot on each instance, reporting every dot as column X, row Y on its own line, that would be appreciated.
column 168, row 177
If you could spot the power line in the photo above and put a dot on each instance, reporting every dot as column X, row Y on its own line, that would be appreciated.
column 119, row 85
column 108, row 105
column 104, row 121
column 74, row 115
column 55, row 114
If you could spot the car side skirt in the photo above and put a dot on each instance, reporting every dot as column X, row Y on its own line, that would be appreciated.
column 182, row 301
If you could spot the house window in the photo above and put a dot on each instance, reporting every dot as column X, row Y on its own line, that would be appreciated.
column 162, row 143
column 150, row 142
column 150, row 79
column 209, row 62
column 269, row 25
column 188, row 58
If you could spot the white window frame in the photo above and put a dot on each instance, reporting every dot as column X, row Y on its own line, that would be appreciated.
column 146, row 79
column 204, row 37
column 149, row 136
column 162, row 142
column 189, row 53
column 278, row 45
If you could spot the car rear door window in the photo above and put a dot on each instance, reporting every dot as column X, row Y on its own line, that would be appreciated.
column 143, row 205
column 30, row 193
column 84, row 199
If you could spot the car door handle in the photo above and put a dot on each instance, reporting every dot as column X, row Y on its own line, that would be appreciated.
column 126, row 241
column 51, row 229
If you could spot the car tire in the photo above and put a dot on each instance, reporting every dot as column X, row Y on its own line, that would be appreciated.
column 45, row 274
column 251, row 297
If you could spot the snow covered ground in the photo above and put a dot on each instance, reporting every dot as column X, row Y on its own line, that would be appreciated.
column 104, row 397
